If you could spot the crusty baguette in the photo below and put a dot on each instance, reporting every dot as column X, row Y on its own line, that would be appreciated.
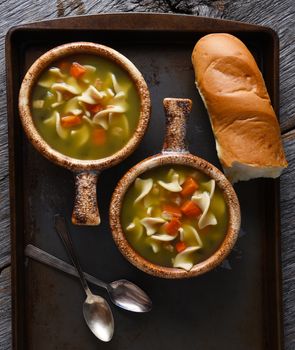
column 246, row 129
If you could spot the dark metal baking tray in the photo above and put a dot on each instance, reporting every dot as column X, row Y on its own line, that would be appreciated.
column 235, row 307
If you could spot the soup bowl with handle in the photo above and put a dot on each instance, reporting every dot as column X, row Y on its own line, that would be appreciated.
column 85, row 211
column 175, row 152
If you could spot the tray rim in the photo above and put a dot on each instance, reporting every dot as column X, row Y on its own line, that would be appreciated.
column 162, row 22
column 56, row 22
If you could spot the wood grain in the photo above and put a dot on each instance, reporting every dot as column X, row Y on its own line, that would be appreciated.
column 288, row 241
column 5, row 310
column 278, row 14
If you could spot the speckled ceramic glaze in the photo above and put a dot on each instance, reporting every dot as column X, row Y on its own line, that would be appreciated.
column 175, row 152
column 85, row 207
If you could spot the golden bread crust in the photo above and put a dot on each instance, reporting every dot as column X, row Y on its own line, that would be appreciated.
column 244, row 123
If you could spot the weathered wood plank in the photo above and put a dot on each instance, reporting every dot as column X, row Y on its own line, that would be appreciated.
column 288, row 241
column 5, row 310
column 278, row 14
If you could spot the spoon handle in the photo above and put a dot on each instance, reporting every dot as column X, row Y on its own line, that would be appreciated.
column 62, row 230
column 40, row 255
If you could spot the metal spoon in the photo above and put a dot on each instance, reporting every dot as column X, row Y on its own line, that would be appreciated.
column 96, row 310
column 123, row 293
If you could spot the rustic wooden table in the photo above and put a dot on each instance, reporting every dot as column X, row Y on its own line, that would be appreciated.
column 278, row 14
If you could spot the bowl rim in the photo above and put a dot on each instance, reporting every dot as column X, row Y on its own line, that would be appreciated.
column 81, row 47
column 174, row 158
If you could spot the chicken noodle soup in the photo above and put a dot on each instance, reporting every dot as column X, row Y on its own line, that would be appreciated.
column 85, row 107
column 174, row 216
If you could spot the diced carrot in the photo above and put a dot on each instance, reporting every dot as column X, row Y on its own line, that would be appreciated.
column 95, row 108
column 99, row 136
column 172, row 226
column 67, row 95
column 64, row 65
column 190, row 209
column 77, row 70
column 173, row 210
column 180, row 246
column 70, row 121
column 189, row 187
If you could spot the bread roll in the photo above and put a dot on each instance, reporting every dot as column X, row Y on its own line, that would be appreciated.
column 246, row 129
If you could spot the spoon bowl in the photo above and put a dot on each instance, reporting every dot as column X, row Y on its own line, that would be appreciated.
column 129, row 296
column 98, row 317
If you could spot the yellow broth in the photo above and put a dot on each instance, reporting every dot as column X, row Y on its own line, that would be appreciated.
column 211, row 236
column 77, row 135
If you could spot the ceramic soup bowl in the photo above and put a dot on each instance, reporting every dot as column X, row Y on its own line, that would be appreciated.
column 86, row 172
column 174, row 152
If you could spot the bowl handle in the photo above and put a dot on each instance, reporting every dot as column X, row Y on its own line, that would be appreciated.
column 85, row 210
column 177, row 111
